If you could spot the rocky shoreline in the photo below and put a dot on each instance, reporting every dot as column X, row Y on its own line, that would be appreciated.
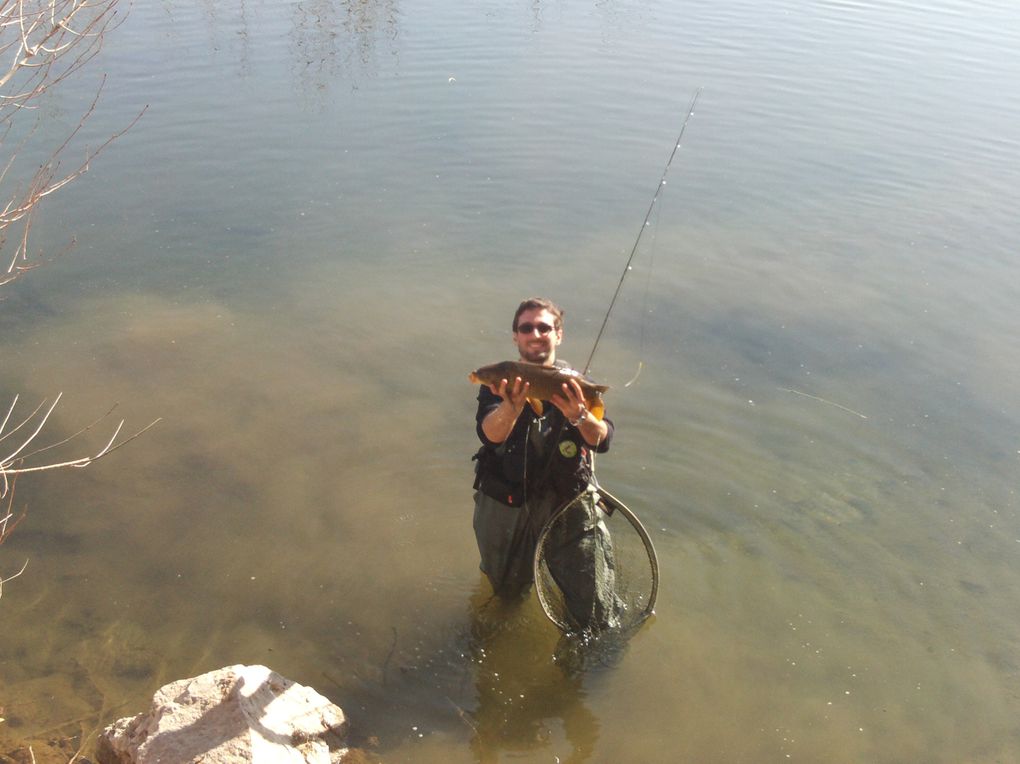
column 228, row 716
column 232, row 715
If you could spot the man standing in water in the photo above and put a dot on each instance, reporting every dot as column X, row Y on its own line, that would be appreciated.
column 529, row 466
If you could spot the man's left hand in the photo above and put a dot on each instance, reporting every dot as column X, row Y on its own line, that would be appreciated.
column 571, row 402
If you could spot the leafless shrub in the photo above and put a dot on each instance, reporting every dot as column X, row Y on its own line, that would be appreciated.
column 19, row 461
column 20, row 454
column 42, row 43
column 8, row 523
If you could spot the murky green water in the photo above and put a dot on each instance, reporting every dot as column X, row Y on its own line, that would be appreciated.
column 325, row 219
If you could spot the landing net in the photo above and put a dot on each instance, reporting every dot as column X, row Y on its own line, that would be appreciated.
column 595, row 566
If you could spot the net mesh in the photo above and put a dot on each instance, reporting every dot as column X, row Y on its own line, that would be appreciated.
column 595, row 566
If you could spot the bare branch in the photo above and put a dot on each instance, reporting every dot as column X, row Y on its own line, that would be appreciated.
column 10, row 458
column 85, row 461
column 7, row 525
column 69, row 438
column 11, row 578
column 9, row 522
column 24, row 421
column 42, row 43
column 9, row 412
column 16, row 463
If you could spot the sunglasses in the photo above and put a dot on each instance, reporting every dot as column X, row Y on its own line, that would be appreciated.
column 528, row 328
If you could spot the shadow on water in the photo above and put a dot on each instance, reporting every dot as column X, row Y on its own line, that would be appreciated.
column 500, row 681
column 524, row 695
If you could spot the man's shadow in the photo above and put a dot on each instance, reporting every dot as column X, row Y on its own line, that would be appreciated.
column 528, row 686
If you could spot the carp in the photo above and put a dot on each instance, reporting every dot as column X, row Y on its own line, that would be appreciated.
column 544, row 382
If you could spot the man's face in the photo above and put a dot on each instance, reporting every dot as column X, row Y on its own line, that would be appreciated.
column 537, row 336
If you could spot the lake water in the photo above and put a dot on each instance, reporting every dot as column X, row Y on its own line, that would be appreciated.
column 325, row 219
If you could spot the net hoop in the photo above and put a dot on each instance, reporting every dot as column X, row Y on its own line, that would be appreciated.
column 616, row 506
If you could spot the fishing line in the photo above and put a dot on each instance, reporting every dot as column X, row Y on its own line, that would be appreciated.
column 644, row 297
column 644, row 224
column 591, row 572
column 619, row 590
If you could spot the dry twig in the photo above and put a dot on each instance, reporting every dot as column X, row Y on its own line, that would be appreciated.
column 42, row 43
column 9, row 522
column 11, row 578
column 7, row 525
column 16, row 462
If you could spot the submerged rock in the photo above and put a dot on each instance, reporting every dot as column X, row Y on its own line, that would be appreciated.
column 236, row 714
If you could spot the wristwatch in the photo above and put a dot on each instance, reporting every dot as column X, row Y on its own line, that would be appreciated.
column 581, row 417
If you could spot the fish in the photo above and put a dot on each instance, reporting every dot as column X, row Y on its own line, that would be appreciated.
column 544, row 381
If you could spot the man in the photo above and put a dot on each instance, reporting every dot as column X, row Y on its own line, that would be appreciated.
column 529, row 466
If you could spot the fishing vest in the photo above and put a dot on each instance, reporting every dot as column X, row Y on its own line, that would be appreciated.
column 542, row 454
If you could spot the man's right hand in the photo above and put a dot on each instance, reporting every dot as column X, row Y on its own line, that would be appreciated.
column 515, row 395
column 501, row 420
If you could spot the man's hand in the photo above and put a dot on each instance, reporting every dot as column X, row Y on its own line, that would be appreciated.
column 500, row 422
column 571, row 405
column 515, row 395
column 571, row 402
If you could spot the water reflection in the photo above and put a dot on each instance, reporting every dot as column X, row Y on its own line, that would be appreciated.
column 327, row 42
column 332, row 41
column 524, row 695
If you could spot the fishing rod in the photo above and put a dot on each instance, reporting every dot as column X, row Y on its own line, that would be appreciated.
column 633, row 251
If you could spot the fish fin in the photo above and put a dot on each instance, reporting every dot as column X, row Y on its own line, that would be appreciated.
column 597, row 408
column 536, row 406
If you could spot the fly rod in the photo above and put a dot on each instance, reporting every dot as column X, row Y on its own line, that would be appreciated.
column 633, row 251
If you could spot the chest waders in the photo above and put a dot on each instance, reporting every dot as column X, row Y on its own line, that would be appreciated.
column 535, row 510
column 576, row 556
column 575, row 566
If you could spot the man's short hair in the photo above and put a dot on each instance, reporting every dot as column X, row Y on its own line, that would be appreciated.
column 540, row 303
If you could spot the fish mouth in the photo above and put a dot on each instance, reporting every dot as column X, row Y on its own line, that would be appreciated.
column 473, row 378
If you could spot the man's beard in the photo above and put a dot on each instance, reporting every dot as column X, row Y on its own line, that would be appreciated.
column 536, row 356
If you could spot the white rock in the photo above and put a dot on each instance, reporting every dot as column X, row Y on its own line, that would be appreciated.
column 236, row 714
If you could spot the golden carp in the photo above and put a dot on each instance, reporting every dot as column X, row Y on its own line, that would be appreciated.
column 544, row 382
